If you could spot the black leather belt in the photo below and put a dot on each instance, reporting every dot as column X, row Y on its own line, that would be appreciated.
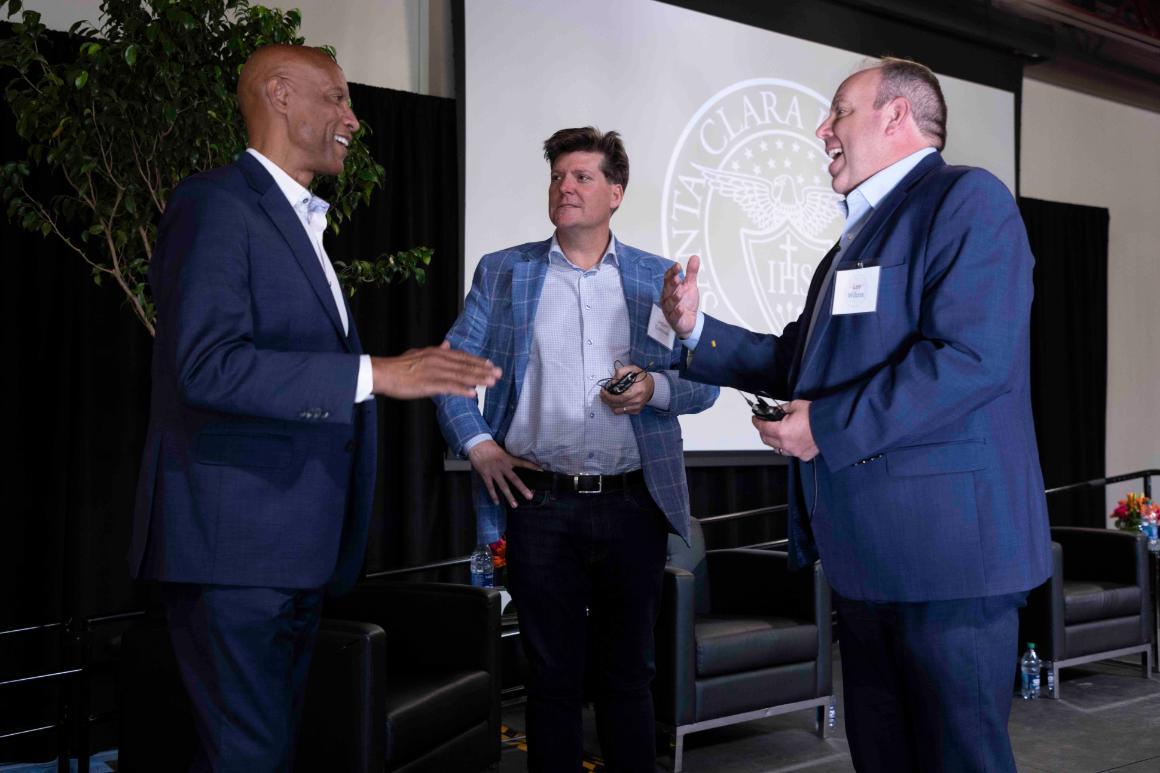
column 542, row 480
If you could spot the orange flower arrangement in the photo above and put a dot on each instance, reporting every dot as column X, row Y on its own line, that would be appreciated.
column 1133, row 510
column 499, row 552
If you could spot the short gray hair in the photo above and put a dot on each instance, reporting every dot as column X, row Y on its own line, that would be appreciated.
column 919, row 86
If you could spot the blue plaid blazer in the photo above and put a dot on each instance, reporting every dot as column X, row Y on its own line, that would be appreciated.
column 496, row 323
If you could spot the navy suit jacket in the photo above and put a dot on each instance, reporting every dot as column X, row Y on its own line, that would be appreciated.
column 927, row 486
column 258, row 468
column 498, row 323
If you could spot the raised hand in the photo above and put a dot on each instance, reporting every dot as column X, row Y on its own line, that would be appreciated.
column 435, row 370
column 680, row 297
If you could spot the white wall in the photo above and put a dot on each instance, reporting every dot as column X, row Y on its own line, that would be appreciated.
column 396, row 44
column 1084, row 150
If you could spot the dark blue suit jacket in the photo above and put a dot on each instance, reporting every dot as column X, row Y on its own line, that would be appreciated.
column 258, row 467
column 927, row 486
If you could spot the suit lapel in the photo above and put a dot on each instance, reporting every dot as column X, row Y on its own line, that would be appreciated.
column 879, row 217
column 527, row 284
column 637, row 305
column 282, row 215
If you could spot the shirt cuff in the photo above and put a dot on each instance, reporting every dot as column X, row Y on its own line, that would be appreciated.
column 474, row 441
column 662, row 392
column 366, row 380
column 694, row 338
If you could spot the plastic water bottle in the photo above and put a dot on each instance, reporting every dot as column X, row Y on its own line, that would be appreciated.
column 1030, row 667
column 482, row 570
column 1050, row 671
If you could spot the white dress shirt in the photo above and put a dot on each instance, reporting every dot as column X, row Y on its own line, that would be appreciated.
column 311, row 212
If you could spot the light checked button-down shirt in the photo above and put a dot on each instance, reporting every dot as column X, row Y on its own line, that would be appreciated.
column 581, row 330
column 311, row 212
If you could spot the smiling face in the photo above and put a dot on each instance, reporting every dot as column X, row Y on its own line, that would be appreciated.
column 855, row 133
column 579, row 195
column 320, row 122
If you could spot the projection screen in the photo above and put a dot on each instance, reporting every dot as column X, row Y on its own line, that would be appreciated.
column 706, row 106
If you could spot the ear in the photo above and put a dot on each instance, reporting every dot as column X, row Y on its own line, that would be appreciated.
column 617, row 196
column 277, row 92
column 897, row 114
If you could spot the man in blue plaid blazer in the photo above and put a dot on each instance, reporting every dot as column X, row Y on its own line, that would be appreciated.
column 580, row 441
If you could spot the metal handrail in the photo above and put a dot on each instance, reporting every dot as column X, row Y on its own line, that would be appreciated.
column 1145, row 474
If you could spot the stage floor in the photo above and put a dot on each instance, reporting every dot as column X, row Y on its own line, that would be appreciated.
column 1108, row 719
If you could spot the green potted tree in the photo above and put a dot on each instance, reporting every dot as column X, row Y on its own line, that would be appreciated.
column 145, row 99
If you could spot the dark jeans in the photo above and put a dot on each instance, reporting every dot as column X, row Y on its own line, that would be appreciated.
column 580, row 565
column 928, row 686
column 244, row 656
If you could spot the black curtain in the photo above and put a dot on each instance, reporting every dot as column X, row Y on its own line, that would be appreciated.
column 1069, row 352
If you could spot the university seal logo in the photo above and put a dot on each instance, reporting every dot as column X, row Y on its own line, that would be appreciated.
column 747, row 190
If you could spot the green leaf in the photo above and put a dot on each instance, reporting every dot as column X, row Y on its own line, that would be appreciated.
column 81, row 79
column 131, row 55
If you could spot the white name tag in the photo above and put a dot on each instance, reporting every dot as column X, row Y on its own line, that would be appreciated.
column 856, row 291
column 659, row 329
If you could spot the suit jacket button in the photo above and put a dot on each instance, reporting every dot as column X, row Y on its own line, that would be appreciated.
column 326, row 414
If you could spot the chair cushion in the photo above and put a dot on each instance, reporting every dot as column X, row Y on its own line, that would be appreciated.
column 730, row 644
column 426, row 708
column 1088, row 600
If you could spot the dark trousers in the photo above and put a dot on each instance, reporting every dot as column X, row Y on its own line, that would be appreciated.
column 244, row 656
column 580, row 565
column 928, row 686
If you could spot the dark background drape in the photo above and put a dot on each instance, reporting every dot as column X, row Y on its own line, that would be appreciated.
column 76, row 393
column 1069, row 352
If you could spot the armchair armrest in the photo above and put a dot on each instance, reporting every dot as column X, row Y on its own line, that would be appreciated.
column 345, row 725
column 1041, row 621
column 747, row 581
column 1104, row 554
column 430, row 624
column 676, row 649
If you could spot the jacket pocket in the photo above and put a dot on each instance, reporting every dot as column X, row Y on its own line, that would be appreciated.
column 937, row 458
column 238, row 450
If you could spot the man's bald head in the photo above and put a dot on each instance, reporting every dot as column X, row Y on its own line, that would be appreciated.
column 295, row 103
column 273, row 62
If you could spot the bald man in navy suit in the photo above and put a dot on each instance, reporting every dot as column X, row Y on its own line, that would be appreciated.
column 257, row 477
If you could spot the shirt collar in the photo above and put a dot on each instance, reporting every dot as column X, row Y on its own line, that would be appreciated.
column 299, row 197
column 555, row 254
column 875, row 188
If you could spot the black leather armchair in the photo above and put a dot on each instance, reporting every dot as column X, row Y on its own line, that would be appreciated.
column 739, row 637
column 156, row 722
column 442, row 672
column 412, row 687
column 1095, row 606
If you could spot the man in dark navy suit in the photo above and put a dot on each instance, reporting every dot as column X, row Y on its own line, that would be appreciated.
column 257, row 477
column 914, row 473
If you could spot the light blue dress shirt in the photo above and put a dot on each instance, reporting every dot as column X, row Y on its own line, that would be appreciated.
column 581, row 330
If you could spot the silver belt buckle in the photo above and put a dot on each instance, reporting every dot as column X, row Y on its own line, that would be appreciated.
column 599, row 485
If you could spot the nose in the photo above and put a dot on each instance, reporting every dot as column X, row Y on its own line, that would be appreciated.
column 350, row 120
column 825, row 130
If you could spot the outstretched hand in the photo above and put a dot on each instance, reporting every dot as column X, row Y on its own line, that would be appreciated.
column 435, row 370
column 680, row 297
